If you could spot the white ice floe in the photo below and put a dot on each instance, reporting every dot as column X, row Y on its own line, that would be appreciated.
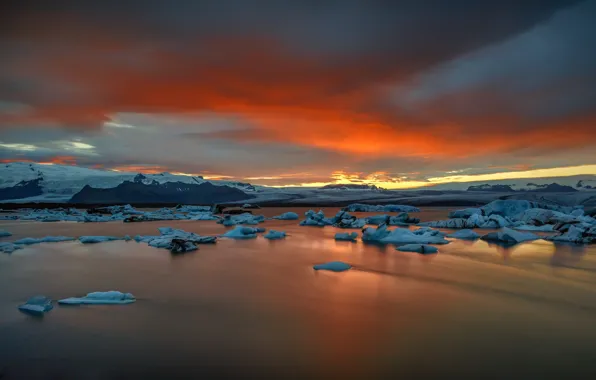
column 112, row 297
column 243, row 233
column 464, row 234
column 507, row 236
column 334, row 266
column 97, row 239
column 346, row 236
column 245, row 218
column 287, row 216
column 359, row 207
column 47, row 239
column 275, row 235
column 37, row 305
column 8, row 247
column 420, row 248
column 4, row 233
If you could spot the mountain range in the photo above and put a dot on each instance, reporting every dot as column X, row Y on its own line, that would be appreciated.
column 22, row 182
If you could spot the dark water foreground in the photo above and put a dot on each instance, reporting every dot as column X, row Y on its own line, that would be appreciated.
column 256, row 309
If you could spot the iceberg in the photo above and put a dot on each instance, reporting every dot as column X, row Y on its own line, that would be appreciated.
column 275, row 235
column 405, row 236
column 4, row 233
column 578, row 234
column 181, row 246
column 185, row 241
column 372, row 234
column 464, row 234
column 377, row 219
column 465, row 213
column 346, row 236
column 420, row 248
column 47, row 239
column 8, row 247
column 245, row 218
column 287, row 216
column 97, row 239
column 474, row 221
column 359, row 207
column 402, row 219
column 316, row 219
column 514, row 208
column 188, row 208
column 334, row 266
column 112, row 297
column 202, row 216
column 508, row 236
column 243, row 233
column 37, row 305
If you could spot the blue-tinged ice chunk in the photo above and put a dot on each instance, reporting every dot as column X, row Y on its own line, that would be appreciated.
column 420, row 248
column 243, row 233
column 346, row 236
column 528, row 227
column 47, row 239
column 275, row 235
column 4, row 233
column 37, row 305
column 8, row 247
column 465, row 234
column 97, row 239
column 112, row 297
column 334, row 266
column 508, row 236
column 287, row 216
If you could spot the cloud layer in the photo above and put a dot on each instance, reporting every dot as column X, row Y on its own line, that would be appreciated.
column 268, row 89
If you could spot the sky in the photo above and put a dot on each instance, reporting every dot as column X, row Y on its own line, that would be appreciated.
column 400, row 94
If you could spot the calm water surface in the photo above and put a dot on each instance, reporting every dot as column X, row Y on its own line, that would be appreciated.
column 255, row 308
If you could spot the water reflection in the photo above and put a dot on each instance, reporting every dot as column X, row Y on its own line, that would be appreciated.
column 258, row 304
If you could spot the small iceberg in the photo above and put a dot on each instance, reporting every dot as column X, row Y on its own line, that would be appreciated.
column 37, row 305
column 334, row 266
column 316, row 219
column 245, row 218
column 4, row 233
column 465, row 213
column 243, row 233
column 420, row 248
column 287, row 216
column 182, row 246
column 112, row 297
column 177, row 241
column 507, row 236
column 403, row 236
column 465, row 234
column 528, row 227
column 275, row 235
column 8, row 247
column 47, row 239
column 578, row 234
column 202, row 216
column 97, row 239
column 346, row 236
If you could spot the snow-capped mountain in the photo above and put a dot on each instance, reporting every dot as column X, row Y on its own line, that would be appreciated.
column 58, row 183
